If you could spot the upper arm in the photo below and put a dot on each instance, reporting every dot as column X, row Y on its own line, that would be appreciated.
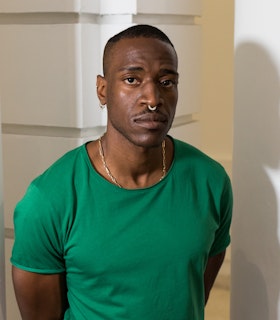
column 40, row 296
column 212, row 268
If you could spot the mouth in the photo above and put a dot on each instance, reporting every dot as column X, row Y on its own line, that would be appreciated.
column 151, row 121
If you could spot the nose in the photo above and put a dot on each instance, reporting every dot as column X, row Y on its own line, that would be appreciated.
column 151, row 94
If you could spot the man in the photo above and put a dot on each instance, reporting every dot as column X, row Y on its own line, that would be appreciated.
column 134, row 225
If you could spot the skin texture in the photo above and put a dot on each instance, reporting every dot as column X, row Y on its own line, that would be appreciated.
column 213, row 266
column 141, row 72
column 40, row 296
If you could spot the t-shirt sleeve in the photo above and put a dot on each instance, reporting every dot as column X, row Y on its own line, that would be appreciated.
column 38, row 245
column 222, row 235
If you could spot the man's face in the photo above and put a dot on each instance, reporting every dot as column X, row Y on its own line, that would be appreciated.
column 141, row 72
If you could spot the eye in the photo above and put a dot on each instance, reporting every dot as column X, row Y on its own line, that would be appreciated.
column 131, row 80
column 167, row 83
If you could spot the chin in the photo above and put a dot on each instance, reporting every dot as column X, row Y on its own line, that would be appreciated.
column 150, row 141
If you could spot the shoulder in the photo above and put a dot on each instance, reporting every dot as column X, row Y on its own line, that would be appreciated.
column 199, row 167
column 64, row 168
column 68, row 159
column 51, row 194
column 187, row 154
column 59, row 181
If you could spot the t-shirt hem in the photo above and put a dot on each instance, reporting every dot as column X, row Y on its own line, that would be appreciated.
column 221, row 249
column 36, row 270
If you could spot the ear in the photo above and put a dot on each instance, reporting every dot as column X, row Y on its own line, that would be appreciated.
column 101, row 89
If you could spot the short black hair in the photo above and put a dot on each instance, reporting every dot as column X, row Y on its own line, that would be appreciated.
column 136, row 31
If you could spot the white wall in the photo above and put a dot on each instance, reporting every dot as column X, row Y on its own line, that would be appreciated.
column 47, row 77
column 50, row 55
column 256, row 165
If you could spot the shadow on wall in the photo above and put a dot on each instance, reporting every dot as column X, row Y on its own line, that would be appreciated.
column 255, row 247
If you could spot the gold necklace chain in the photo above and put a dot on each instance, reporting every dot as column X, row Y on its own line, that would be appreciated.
column 114, row 180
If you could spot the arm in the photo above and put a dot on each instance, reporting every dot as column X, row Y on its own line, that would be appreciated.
column 213, row 266
column 40, row 296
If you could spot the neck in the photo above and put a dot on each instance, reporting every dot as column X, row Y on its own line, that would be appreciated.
column 137, row 168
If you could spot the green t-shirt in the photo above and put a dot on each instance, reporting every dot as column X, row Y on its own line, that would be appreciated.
column 128, row 254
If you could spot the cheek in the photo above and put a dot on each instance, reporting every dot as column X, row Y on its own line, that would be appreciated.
column 172, row 100
column 175, row 94
column 117, row 96
column 128, row 95
column 127, row 101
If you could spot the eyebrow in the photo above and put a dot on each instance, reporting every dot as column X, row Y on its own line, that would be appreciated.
column 131, row 69
column 162, row 71
column 169, row 71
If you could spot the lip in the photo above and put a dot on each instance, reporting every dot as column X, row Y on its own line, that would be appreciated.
column 151, row 121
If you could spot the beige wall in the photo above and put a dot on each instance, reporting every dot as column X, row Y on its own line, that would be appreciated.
column 217, row 80
column 216, row 117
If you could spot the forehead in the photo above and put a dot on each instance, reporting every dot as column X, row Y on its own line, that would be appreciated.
column 143, row 51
